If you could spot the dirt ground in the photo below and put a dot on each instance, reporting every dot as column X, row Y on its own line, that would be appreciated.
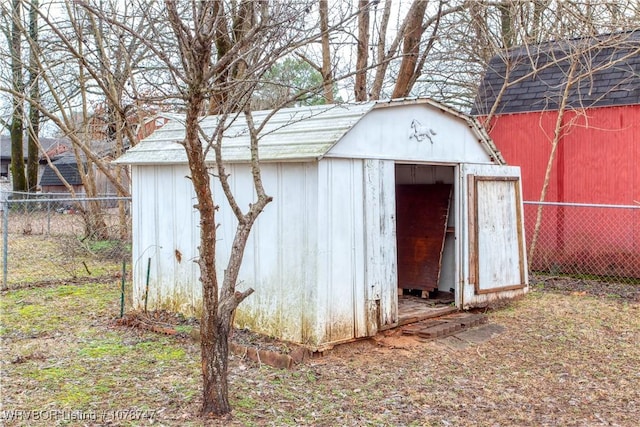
column 624, row 291
column 568, row 355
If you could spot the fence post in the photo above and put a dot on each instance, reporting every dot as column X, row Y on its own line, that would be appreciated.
column 5, row 244
column 48, row 218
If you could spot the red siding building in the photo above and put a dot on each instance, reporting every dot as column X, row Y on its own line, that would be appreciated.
column 597, row 160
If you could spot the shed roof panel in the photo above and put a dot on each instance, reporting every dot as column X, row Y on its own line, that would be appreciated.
column 291, row 134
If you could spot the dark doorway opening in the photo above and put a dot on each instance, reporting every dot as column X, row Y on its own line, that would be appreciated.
column 425, row 241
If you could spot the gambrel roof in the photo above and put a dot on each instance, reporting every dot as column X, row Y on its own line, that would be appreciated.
column 291, row 134
column 607, row 73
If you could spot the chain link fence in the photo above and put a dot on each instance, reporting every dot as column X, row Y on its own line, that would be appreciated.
column 54, row 237
column 585, row 240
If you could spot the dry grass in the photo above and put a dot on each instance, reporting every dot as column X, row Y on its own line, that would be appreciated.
column 570, row 355
column 565, row 359
column 38, row 258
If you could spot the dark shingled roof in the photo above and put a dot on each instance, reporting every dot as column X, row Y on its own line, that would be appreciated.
column 68, row 168
column 608, row 66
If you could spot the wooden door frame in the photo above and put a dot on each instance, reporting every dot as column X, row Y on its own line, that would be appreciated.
column 474, row 233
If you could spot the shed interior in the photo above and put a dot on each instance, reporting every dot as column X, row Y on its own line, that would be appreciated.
column 425, row 233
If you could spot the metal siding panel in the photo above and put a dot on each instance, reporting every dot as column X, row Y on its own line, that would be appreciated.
column 151, row 285
column 311, row 238
column 602, row 143
column 185, row 220
column 259, row 269
column 292, row 248
column 340, row 251
column 225, row 217
column 373, row 212
column 325, row 222
column 389, row 313
column 380, row 264
column 525, row 141
column 163, row 288
column 142, row 229
column 262, row 265
column 279, row 260
column 358, row 247
column 341, row 321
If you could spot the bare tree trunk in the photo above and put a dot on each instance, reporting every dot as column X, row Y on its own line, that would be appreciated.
column 382, row 55
column 362, row 51
column 223, row 45
column 327, row 75
column 557, row 136
column 34, row 113
column 425, row 52
column 214, row 329
column 17, row 151
column 478, row 18
column 17, row 148
column 410, row 49
column 539, row 7
column 506, row 8
column 94, row 223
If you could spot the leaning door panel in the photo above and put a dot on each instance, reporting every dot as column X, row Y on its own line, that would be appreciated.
column 497, row 265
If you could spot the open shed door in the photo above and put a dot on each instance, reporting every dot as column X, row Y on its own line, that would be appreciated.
column 496, row 245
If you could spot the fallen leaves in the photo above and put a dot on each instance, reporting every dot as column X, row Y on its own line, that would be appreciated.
column 562, row 360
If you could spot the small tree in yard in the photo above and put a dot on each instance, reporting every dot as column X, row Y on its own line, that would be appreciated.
column 223, row 52
column 216, row 54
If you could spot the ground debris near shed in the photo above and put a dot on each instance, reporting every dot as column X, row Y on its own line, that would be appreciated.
column 244, row 343
column 445, row 325
column 584, row 286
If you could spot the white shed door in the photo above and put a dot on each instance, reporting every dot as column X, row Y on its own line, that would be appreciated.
column 497, row 255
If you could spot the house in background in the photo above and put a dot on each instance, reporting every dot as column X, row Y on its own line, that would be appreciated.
column 370, row 201
column 151, row 124
column 99, row 133
column 67, row 166
column 66, row 163
column 5, row 165
column 60, row 153
column 53, row 146
column 5, row 156
column 598, row 155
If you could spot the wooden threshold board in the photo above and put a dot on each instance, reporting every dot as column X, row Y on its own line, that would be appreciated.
column 414, row 309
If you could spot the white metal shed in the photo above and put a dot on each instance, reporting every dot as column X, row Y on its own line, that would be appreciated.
column 367, row 198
